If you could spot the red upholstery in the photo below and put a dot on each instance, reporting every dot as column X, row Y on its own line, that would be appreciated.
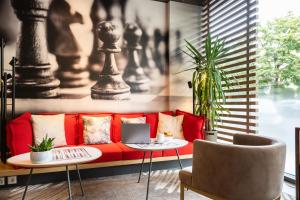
column 116, row 136
column 187, row 149
column 71, row 129
column 132, row 154
column 110, row 152
column 192, row 126
column 19, row 134
column 80, row 124
column 152, row 119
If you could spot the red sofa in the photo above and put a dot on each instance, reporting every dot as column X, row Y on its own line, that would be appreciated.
column 20, row 134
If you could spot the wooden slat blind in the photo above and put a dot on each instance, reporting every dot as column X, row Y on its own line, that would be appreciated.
column 235, row 22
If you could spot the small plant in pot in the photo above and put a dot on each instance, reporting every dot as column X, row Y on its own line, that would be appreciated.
column 41, row 153
column 208, row 83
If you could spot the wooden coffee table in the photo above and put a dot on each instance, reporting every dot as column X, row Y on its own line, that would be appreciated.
column 64, row 156
column 167, row 145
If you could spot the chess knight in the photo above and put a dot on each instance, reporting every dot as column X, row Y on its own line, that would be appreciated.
column 34, row 76
column 72, row 70
column 110, row 84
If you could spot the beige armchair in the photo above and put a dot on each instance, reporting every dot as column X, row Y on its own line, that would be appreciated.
column 250, row 169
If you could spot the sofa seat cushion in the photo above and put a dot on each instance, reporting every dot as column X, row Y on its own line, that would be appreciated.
column 132, row 154
column 110, row 152
column 185, row 176
column 19, row 134
column 185, row 150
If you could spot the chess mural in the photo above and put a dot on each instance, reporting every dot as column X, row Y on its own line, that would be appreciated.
column 91, row 55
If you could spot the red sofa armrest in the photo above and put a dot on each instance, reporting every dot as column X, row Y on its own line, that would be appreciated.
column 19, row 134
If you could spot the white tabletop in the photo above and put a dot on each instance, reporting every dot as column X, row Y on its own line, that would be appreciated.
column 23, row 160
column 169, row 144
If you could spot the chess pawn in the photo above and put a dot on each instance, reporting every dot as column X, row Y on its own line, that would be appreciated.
column 72, row 64
column 110, row 84
column 159, row 51
column 134, row 74
column 147, row 62
column 96, row 60
column 34, row 76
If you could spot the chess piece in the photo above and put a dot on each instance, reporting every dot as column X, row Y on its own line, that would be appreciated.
column 72, row 70
column 159, row 50
column 34, row 76
column 147, row 61
column 178, row 52
column 96, row 60
column 110, row 84
column 134, row 74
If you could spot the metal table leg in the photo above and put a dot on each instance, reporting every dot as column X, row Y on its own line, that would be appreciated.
column 28, row 181
column 69, row 184
column 141, row 168
column 178, row 158
column 79, row 177
column 150, row 166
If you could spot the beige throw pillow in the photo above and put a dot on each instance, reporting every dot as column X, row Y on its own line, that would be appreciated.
column 135, row 120
column 173, row 125
column 51, row 125
column 96, row 130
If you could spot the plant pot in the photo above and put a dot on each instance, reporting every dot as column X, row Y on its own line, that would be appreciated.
column 211, row 135
column 41, row 157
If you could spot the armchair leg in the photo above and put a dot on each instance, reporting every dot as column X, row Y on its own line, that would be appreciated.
column 181, row 191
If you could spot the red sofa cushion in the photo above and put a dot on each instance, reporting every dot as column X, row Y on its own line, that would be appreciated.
column 110, row 152
column 116, row 135
column 80, row 124
column 71, row 127
column 187, row 149
column 192, row 125
column 152, row 119
column 132, row 154
column 19, row 134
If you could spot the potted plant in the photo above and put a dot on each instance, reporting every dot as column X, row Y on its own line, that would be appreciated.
column 41, row 153
column 208, row 82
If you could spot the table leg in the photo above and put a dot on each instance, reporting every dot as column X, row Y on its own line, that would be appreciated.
column 28, row 181
column 178, row 158
column 79, row 177
column 141, row 168
column 69, row 184
column 150, row 166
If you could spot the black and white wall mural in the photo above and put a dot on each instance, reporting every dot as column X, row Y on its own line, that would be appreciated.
column 91, row 55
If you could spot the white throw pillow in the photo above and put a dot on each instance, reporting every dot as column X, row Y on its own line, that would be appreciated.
column 51, row 125
column 135, row 120
column 173, row 125
column 96, row 130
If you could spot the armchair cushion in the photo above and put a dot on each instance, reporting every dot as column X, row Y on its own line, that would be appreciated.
column 185, row 176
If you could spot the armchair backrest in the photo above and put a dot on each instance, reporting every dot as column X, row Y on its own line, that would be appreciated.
column 240, row 171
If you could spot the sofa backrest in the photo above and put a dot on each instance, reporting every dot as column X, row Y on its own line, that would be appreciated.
column 20, row 133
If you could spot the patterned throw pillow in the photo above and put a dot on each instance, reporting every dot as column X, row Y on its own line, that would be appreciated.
column 172, row 126
column 136, row 120
column 96, row 130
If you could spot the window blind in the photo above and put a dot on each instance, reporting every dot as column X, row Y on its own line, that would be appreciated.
column 234, row 21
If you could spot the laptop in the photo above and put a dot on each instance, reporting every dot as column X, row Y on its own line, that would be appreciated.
column 135, row 133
